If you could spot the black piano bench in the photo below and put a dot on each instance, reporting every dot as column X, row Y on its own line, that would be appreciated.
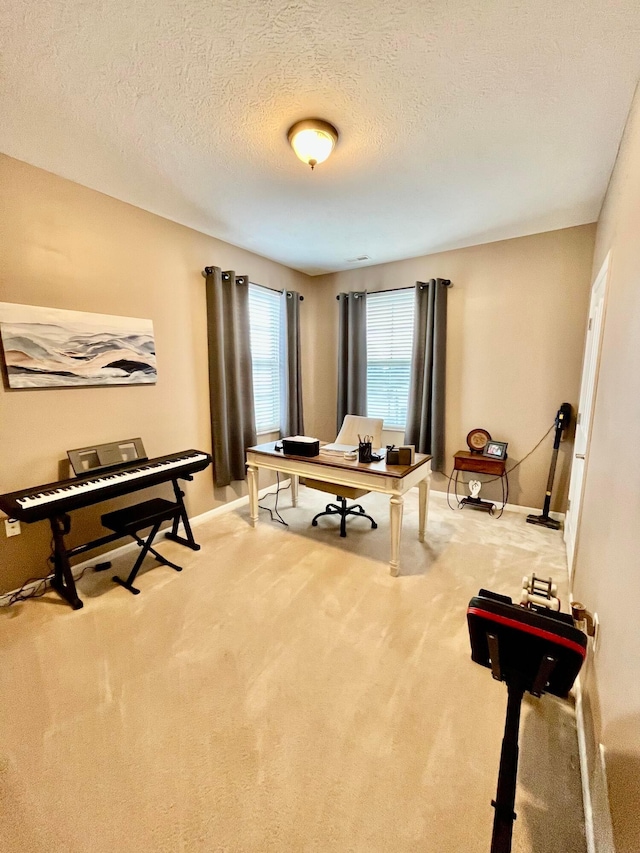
column 131, row 520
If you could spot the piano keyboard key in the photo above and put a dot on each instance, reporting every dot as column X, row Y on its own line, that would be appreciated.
column 85, row 486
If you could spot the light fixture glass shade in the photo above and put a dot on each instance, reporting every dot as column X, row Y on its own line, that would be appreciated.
column 313, row 140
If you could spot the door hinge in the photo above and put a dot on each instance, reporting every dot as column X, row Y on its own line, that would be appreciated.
column 578, row 418
column 590, row 323
column 568, row 504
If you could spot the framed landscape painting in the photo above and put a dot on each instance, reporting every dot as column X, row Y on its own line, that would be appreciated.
column 54, row 348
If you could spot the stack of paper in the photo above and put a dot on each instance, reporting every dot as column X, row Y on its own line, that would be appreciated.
column 338, row 448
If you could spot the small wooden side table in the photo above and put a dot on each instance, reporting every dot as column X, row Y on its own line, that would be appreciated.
column 475, row 463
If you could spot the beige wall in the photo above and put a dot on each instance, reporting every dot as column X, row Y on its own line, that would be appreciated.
column 515, row 332
column 607, row 573
column 516, row 326
column 65, row 246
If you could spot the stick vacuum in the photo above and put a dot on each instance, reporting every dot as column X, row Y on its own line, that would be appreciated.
column 563, row 418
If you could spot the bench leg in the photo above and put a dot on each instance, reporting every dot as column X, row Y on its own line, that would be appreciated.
column 146, row 547
column 162, row 559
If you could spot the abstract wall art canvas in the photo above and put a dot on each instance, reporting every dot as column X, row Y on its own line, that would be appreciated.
column 52, row 348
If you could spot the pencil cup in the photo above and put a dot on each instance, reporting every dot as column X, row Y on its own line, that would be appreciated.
column 364, row 451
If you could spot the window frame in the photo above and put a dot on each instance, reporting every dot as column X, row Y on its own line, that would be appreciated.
column 273, row 358
column 404, row 364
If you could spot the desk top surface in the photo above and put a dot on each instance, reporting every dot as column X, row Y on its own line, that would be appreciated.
column 337, row 460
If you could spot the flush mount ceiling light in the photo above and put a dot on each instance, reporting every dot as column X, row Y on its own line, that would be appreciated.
column 313, row 140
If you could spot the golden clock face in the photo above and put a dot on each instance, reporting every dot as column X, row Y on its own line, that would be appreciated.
column 477, row 439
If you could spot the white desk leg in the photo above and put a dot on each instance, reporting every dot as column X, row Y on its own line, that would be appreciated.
column 252, row 479
column 424, row 487
column 294, row 489
column 396, row 507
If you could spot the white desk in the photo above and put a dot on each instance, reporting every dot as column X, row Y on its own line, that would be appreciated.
column 393, row 480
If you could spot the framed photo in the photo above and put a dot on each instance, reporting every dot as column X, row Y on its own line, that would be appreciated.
column 495, row 449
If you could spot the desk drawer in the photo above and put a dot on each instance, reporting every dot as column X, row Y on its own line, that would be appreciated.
column 478, row 464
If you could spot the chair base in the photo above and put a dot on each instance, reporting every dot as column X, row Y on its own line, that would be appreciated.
column 343, row 511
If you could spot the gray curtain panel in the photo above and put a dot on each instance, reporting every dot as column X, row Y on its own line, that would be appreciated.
column 352, row 355
column 291, row 416
column 425, row 417
column 233, row 426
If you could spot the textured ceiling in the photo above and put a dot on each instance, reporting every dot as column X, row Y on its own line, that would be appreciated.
column 460, row 122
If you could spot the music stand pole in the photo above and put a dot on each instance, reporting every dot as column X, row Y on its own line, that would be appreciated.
column 506, row 794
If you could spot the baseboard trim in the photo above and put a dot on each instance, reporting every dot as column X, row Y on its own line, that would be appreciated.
column 595, row 792
column 584, row 771
column 224, row 508
column 523, row 510
column 230, row 506
column 108, row 556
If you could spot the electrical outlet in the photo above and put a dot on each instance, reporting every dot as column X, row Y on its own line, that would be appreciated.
column 12, row 527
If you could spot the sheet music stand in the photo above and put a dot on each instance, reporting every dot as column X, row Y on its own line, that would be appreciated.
column 532, row 650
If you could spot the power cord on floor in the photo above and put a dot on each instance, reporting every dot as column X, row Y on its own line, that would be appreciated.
column 40, row 584
column 274, row 512
column 38, row 591
column 20, row 594
column 513, row 467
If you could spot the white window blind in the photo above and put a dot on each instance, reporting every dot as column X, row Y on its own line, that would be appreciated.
column 389, row 343
column 264, row 322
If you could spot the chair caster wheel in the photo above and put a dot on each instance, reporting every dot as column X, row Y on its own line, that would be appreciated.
column 314, row 523
column 374, row 526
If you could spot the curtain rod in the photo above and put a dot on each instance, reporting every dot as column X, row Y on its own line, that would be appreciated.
column 208, row 270
column 446, row 281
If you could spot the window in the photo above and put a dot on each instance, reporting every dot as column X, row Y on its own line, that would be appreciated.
column 389, row 345
column 264, row 323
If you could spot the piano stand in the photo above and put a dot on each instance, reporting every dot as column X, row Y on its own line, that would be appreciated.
column 181, row 516
column 130, row 520
column 62, row 580
column 190, row 543
column 54, row 501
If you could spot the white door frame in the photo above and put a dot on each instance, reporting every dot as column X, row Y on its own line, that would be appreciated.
column 586, row 406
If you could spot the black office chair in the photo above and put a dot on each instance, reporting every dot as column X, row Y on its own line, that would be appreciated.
column 352, row 427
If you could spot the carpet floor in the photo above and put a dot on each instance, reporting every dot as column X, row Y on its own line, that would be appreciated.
column 283, row 693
